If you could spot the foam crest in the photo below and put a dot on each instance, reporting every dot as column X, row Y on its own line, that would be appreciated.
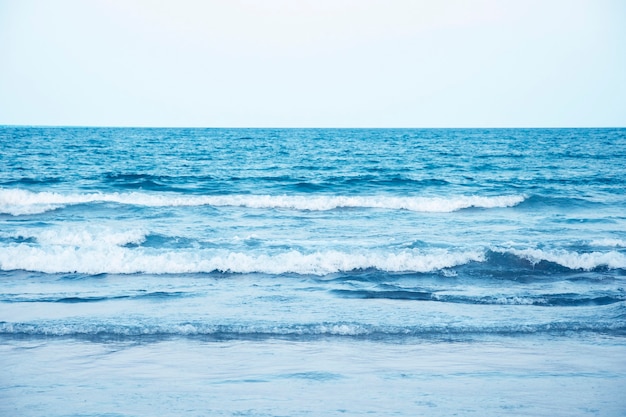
column 20, row 202
column 120, row 260
column 617, row 243
column 84, row 235
column 573, row 260
column 91, row 236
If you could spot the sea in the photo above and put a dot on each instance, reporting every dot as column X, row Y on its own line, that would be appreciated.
column 312, row 272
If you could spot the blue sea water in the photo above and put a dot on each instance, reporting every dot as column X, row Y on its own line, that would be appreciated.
column 292, row 272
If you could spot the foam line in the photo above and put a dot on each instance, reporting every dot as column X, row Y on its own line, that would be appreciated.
column 121, row 260
column 21, row 202
column 573, row 260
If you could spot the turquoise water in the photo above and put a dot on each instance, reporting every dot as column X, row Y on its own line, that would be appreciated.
column 312, row 271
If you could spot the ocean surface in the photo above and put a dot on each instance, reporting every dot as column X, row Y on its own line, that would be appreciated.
column 312, row 272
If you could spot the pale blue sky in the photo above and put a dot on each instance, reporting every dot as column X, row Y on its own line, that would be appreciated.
column 324, row 63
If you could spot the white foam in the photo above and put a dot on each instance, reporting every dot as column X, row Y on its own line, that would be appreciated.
column 121, row 260
column 19, row 202
column 617, row 243
column 573, row 260
column 90, row 236
column 82, row 235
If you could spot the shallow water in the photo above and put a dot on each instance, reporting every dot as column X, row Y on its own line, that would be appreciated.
column 497, row 376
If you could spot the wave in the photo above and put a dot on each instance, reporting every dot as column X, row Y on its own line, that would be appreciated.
column 29, row 181
column 150, row 182
column 92, row 235
column 539, row 300
column 552, row 201
column 297, row 331
column 394, row 181
column 75, row 299
column 23, row 202
column 121, row 252
column 586, row 261
column 608, row 242
column 98, row 259
column 543, row 300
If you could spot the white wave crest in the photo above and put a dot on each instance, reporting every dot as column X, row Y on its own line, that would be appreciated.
column 122, row 260
column 20, row 202
column 89, row 236
column 617, row 243
column 573, row 260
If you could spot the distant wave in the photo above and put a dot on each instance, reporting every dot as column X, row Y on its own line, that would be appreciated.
column 76, row 299
column 23, row 202
column 543, row 300
column 524, row 299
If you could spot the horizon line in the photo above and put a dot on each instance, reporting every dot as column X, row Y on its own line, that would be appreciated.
column 302, row 127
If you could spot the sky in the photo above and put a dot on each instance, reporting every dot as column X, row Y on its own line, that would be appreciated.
column 303, row 63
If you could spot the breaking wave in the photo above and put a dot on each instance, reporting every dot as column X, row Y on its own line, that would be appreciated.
column 22, row 202
column 121, row 260
column 88, row 255
column 586, row 261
